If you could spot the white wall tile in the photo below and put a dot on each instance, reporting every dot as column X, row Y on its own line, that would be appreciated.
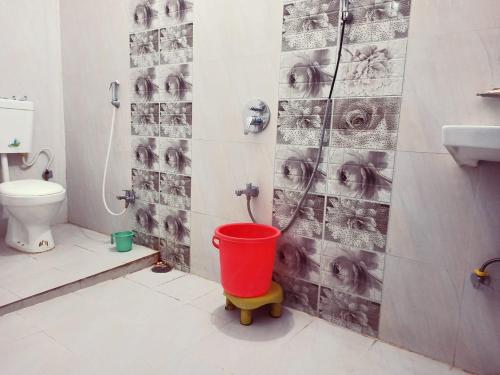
column 31, row 65
column 91, row 60
column 443, row 74
column 479, row 334
column 420, row 307
column 219, row 168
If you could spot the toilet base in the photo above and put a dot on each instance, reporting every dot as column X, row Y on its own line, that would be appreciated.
column 33, row 238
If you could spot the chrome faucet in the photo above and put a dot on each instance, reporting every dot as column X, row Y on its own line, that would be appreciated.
column 128, row 197
column 249, row 191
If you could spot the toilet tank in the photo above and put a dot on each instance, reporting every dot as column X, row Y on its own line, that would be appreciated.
column 16, row 126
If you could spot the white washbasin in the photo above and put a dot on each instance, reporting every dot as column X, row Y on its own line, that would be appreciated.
column 469, row 144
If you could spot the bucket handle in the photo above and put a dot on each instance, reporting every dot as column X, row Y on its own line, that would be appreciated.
column 216, row 244
column 112, row 235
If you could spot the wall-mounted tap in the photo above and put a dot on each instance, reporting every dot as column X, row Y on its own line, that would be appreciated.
column 480, row 276
column 250, row 191
column 128, row 197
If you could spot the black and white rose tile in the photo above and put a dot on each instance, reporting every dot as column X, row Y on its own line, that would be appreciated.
column 356, row 223
column 147, row 240
column 362, row 174
column 373, row 69
column 300, row 122
column 299, row 258
column 176, row 44
column 161, row 55
column 377, row 21
column 175, row 191
column 145, row 153
column 300, row 295
column 174, row 83
column 176, row 120
column 366, row 123
column 307, row 74
column 146, row 218
column 309, row 222
column 294, row 166
column 145, row 119
column 146, row 185
column 310, row 24
column 352, row 271
column 175, row 156
column 175, row 253
column 175, row 225
column 144, row 85
column 144, row 49
column 349, row 311
column 153, row 14
column 355, row 175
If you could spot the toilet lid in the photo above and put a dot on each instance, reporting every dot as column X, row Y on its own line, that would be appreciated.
column 29, row 188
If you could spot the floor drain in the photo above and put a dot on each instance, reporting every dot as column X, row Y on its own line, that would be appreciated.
column 161, row 267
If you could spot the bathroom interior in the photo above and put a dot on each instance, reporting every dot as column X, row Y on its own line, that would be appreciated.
column 364, row 135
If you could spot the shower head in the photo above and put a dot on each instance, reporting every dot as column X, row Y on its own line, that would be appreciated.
column 346, row 15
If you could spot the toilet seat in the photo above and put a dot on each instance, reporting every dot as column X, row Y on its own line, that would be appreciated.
column 30, row 192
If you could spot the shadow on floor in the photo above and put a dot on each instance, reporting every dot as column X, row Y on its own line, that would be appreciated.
column 263, row 328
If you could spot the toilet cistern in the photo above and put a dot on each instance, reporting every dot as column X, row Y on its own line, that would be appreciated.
column 31, row 205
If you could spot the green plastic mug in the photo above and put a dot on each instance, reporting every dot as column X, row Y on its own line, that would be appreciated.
column 123, row 240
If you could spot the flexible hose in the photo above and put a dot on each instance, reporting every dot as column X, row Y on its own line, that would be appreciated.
column 46, row 151
column 249, row 209
column 106, row 168
column 487, row 263
column 329, row 105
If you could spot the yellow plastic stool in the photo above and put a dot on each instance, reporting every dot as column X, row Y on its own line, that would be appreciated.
column 246, row 305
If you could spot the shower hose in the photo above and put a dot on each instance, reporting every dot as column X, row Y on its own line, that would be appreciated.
column 106, row 168
column 321, row 140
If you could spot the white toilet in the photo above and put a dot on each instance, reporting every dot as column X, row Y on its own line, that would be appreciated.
column 30, row 205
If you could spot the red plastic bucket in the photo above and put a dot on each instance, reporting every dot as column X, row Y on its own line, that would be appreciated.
column 247, row 253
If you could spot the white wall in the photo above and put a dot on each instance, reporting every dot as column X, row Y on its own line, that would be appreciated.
column 236, row 58
column 95, row 52
column 445, row 219
column 30, row 64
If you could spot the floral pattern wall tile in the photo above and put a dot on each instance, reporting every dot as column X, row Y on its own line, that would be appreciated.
column 300, row 122
column 145, row 119
column 331, row 261
column 161, row 58
column 300, row 295
column 154, row 14
column 146, row 185
column 294, row 166
column 362, row 174
column 144, row 49
column 351, row 270
column 298, row 257
column 357, row 223
column 381, row 20
column 355, row 313
column 309, row 222
column 310, row 24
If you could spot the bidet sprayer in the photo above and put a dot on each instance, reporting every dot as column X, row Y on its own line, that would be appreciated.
column 113, row 87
